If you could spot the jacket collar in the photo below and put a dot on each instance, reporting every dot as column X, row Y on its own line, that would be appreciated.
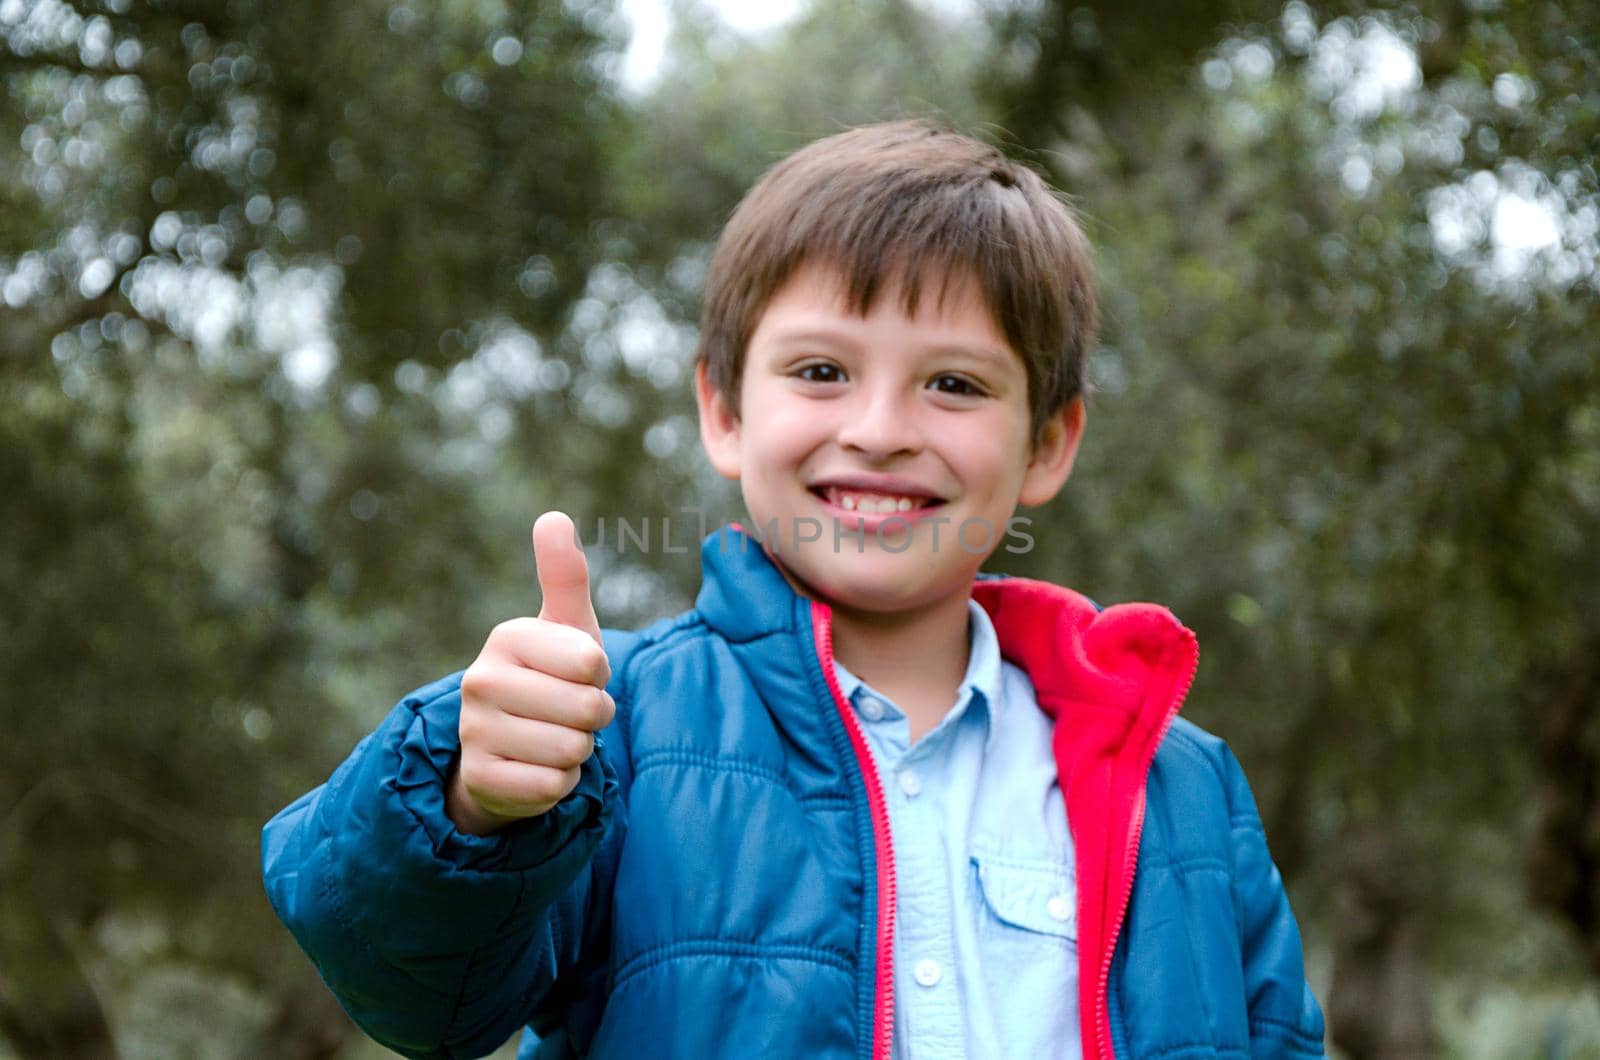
column 743, row 596
column 1095, row 668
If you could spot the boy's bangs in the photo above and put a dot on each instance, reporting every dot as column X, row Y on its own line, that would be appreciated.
column 934, row 248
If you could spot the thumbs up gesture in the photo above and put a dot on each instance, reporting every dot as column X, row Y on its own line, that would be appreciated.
column 535, row 696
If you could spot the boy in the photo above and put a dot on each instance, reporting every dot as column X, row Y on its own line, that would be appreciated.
column 859, row 801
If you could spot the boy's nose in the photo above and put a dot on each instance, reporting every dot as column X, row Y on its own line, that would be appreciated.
column 882, row 425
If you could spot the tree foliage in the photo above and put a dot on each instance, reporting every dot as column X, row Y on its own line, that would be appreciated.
column 306, row 311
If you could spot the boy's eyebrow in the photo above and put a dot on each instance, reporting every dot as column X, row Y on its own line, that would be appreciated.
column 997, row 358
column 825, row 335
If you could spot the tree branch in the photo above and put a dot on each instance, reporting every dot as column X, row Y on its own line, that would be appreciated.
column 58, row 61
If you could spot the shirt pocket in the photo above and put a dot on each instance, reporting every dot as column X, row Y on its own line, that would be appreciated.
column 1027, row 932
column 1024, row 903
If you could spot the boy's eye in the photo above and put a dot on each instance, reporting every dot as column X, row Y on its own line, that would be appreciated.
column 955, row 384
column 821, row 372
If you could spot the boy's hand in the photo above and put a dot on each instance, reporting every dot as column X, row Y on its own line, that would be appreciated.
column 534, row 698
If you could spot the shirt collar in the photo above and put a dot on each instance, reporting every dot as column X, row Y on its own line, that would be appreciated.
column 983, row 667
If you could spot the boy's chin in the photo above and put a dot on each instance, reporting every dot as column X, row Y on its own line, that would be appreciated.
column 880, row 585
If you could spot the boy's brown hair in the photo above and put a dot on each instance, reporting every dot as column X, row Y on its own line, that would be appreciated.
column 912, row 201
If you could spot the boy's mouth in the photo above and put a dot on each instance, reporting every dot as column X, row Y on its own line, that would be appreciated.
column 872, row 502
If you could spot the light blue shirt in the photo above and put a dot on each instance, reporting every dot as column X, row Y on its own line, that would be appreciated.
column 986, row 960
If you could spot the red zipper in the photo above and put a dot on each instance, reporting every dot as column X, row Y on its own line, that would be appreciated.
column 883, row 990
column 1130, row 857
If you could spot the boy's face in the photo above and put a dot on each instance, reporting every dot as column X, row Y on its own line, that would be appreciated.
column 889, row 450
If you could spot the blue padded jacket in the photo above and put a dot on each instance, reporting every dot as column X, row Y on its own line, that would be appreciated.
column 721, row 882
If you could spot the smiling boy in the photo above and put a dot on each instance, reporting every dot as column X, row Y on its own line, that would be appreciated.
column 859, row 801
column 884, row 429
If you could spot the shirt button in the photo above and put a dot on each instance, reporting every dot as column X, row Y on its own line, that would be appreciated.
column 871, row 708
column 910, row 783
column 928, row 972
column 1058, row 907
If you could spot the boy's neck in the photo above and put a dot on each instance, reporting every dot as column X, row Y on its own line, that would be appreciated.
column 916, row 658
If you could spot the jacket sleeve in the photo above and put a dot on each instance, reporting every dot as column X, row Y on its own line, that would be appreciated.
column 1285, row 1021
column 437, row 943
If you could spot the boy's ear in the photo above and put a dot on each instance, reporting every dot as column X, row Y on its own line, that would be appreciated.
column 719, row 424
column 1052, row 458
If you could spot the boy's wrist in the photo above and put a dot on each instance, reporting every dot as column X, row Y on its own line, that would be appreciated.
column 464, row 811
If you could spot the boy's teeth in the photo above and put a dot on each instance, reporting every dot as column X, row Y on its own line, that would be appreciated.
column 872, row 503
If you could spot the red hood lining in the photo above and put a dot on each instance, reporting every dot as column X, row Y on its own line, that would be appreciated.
column 1113, row 680
column 1077, row 655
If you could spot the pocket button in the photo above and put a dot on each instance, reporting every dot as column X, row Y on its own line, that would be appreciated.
column 1034, row 896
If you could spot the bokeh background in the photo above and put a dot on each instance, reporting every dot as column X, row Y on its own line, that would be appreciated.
column 307, row 309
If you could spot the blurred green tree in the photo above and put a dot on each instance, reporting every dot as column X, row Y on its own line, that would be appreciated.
column 240, row 245
column 306, row 312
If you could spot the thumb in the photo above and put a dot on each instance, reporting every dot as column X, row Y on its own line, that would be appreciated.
column 563, row 574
